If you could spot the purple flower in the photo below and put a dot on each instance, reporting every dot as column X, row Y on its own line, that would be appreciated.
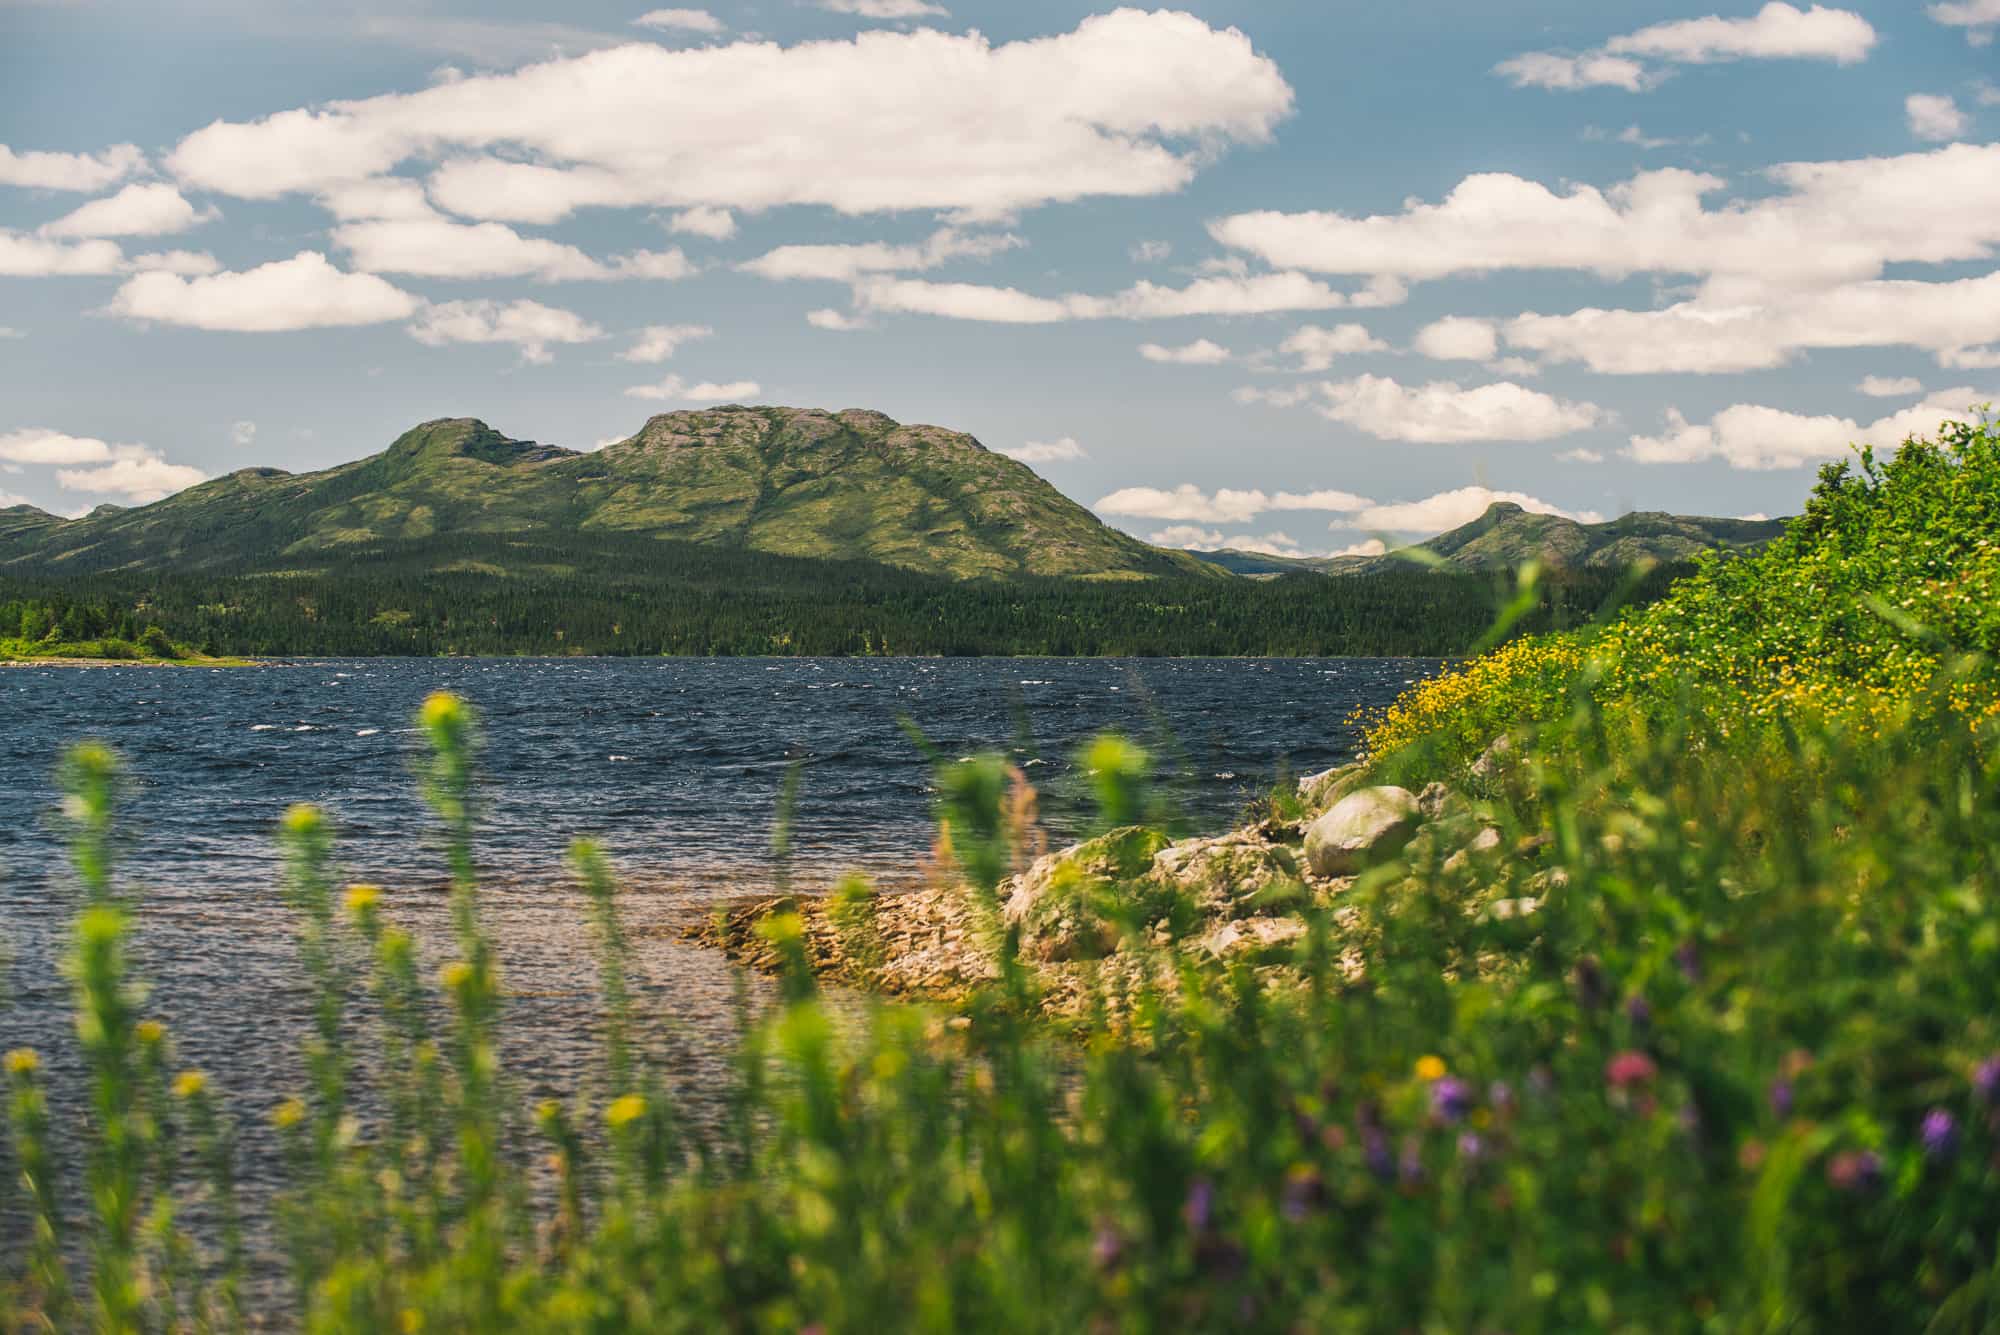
column 1375, row 1151
column 1638, row 1011
column 1107, row 1248
column 1501, row 1095
column 1687, row 958
column 1986, row 1080
column 1451, row 1098
column 1854, row 1170
column 1939, row 1134
column 1471, row 1147
column 1781, row 1097
column 1302, row 1193
column 1200, row 1205
column 1410, row 1167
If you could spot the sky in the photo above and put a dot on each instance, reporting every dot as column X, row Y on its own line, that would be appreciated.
column 1299, row 276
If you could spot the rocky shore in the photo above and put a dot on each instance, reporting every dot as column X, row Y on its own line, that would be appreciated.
column 1092, row 908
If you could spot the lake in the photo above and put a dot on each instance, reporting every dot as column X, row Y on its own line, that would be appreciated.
column 676, row 764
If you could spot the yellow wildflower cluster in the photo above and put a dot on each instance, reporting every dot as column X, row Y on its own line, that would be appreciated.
column 1520, row 681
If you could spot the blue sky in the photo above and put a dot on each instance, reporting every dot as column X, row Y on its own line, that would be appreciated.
column 1298, row 276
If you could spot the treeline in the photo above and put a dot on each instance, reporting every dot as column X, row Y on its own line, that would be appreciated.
column 59, row 619
column 649, row 598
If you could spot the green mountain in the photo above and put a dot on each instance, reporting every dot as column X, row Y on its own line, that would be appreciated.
column 1506, row 536
column 779, row 481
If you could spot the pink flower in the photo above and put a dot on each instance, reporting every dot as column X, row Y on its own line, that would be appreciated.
column 1628, row 1069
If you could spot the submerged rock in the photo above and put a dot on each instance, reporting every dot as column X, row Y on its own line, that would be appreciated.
column 1362, row 829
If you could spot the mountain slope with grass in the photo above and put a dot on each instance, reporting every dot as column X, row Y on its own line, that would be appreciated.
column 851, row 485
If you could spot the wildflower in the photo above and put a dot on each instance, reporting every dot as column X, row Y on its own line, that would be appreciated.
column 1854, row 1170
column 288, row 1114
column 1375, row 1151
column 1628, row 1069
column 623, row 1110
column 1303, row 1192
column 455, row 975
column 189, row 1084
column 361, row 898
column 1687, row 958
column 548, row 1112
column 1200, row 1205
column 1939, row 1134
column 1500, row 1095
column 1471, row 1147
column 1986, row 1080
column 23, row 1061
column 1430, row 1068
column 303, row 819
column 1107, row 1246
column 1410, row 1167
column 1450, row 1099
column 149, row 1032
column 1781, row 1097
column 442, row 711
column 1639, row 1011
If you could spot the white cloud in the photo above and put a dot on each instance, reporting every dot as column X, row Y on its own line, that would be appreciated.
column 1979, row 18
column 837, row 321
column 1342, row 501
column 1226, row 506
column 1189, row 536
column 713, row 223
column 1201, row 352
column 1989, row 94
column 87, row 464
column 438, row 248
column 1263, row 294
column 657, row 342
column 1441, row 412
column 154, row 209
column 1126, row 104
column 1458, row 339
column 682, row 20
column 1061, row 451
column 528, row 325
column 1449, row 509
column 8, row 331
column 1316, row 348
column 187, row 263
column 1580, row 456
column 243, row 434
column 1751, row 436
column 35, row 445
column 845, row 263
column 1934, row 117
column 378, row 197
column 35, row 257
column 1829, row 222
column 304, row 292
column 1638, row 138
column 1372, row 547
column 1151, row 252
column 1886, row 387
column 883, row 9
column 673, row 387
column 1778, row 31
column 1193, row 538
column 490, row 43
column 1952, row 320
column 70, row 171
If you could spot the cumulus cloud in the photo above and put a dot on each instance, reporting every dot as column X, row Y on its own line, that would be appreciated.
column 1580, row 456
column 883, row 9
column 529, row 326
column 1151, row 252
column 1778, row 31
column 84, row 463
column 681, row 20
column 1458, row 339
column 154, row 209
column 1061, row 451
column 1201, row 352
column 1314, row 348
column 1449, row 509
column 187, row 263
column 1889, row 387
column 83, row 172
column 1751, row 436
column 37, row 257
column 1979, row 18
column 658, row 342
column 1439, row 413
column 837, row 321
column 1126, row 104
column 304, row 292
column 713, row 223
column 1936, row 117
column 439, row 248
column 1226, row 506
column 675, row 388
column 1262, row 294
column 1194, row 538
column 845, row 263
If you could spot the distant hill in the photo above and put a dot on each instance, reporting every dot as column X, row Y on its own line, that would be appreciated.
column 780, row 481
column 1507, row 536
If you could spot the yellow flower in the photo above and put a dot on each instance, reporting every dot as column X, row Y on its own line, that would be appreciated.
column 303, row 818
column 23, row 1061
column 288, row 1114
column 150, row 1031
column 624, row 1110
column 188, row 1084
column 455, row 975
column 1430, row 1068
column 442, row 709
column 361, row 898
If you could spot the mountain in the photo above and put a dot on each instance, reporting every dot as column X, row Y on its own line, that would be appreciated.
column 1506, row 536
column 780, row 481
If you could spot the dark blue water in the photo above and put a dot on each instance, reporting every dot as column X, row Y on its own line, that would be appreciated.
column 676, row 764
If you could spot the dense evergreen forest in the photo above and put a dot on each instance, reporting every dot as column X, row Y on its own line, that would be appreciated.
column 649, row 598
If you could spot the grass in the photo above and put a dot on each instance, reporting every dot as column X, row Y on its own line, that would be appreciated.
column 1721, row 1054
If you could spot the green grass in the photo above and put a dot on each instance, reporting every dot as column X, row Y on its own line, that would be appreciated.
column 1721, row 1052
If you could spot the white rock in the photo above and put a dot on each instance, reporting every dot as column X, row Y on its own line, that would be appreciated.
column 1362, row 828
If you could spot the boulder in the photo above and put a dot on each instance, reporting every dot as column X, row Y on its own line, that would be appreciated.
column 1260, row 940
column 1497, row 757
column 1320, row 791
column 1363, row 828
column 1050, row 901
column 1484, row 848
column 1438, row 802
column 1228, row 875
